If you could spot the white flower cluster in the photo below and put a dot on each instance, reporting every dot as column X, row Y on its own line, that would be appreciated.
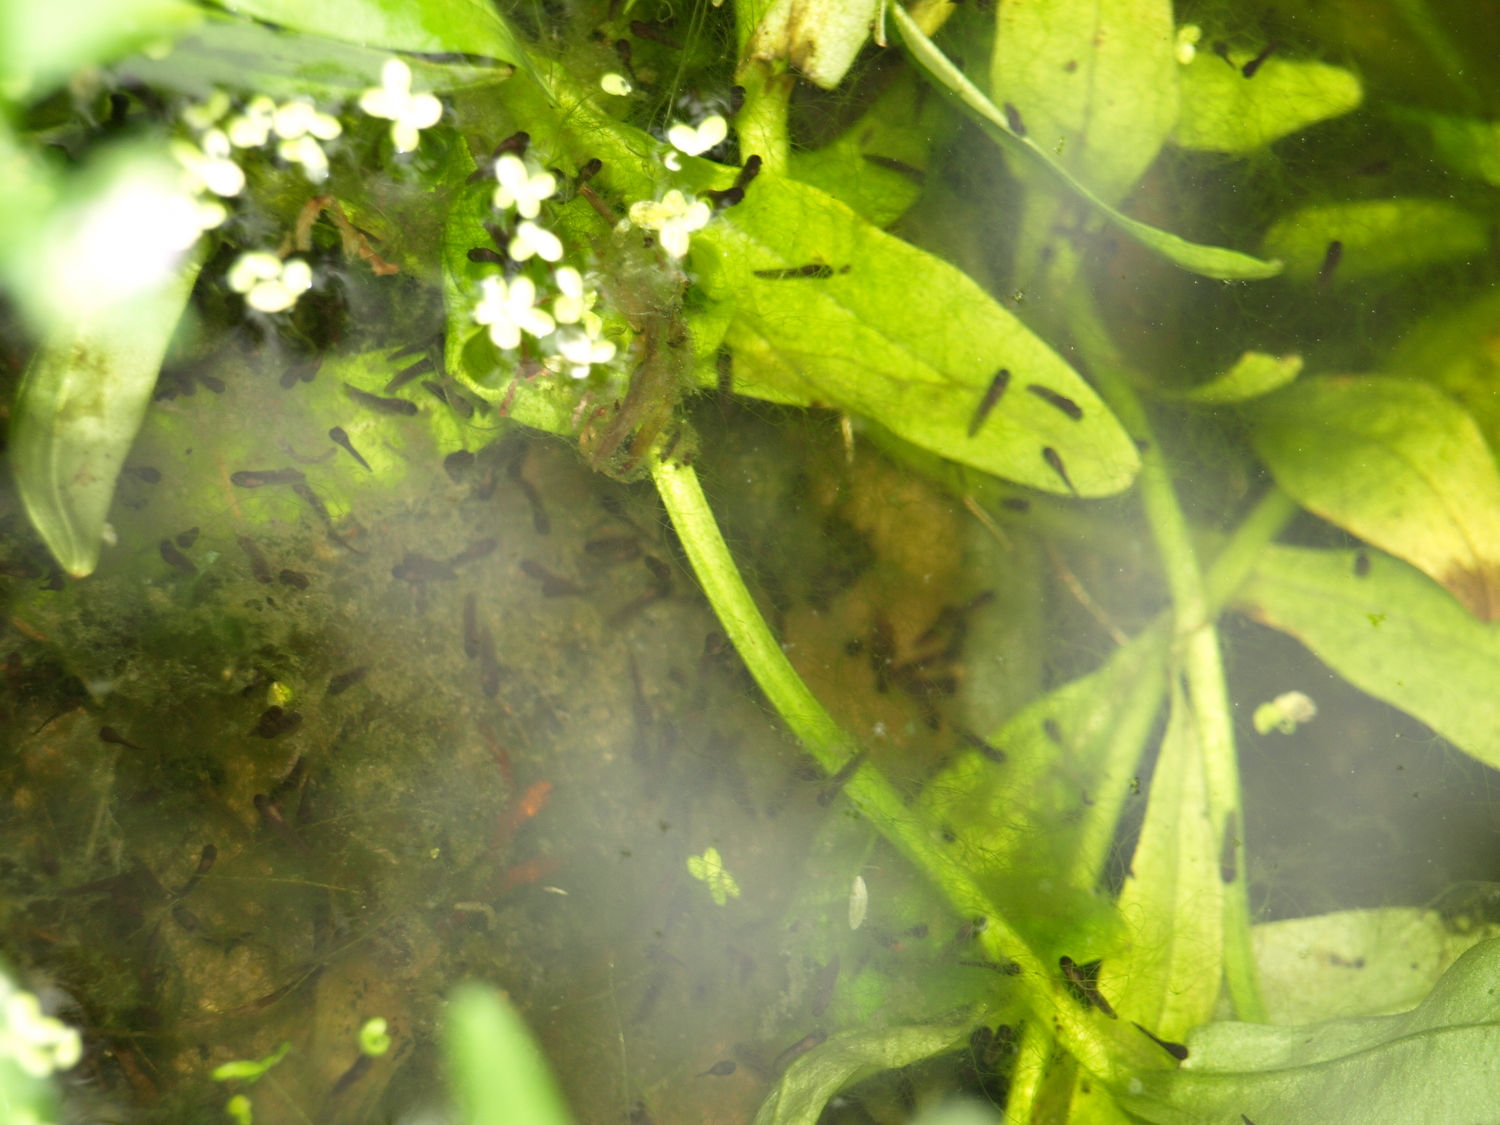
column 297, row 125
column 510, row 308
column 408, row 113
column 675, row 217
column 38, row 1044
column 269, row 284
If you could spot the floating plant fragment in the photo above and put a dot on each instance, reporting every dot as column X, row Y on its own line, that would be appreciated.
column 708, row 868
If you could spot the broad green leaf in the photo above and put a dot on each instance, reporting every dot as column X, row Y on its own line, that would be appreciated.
column 471, row 27
column 816, row 1076
column 1391, row 632
column 78, row 408
column 1355, row 962
column 1456, row 351
column 42, row 43
column 1375, row 236
column 1094, row 81
column 1469, row 146
column 282, row 64
column 1025, row 820
column 1397, row 463
column 496, row 1070
column 1439, row 1063
column 1254, row 375
column 896, row 334
column 1223, row 111
column 877, row 165
column 1172, row 903
column 1209, row 261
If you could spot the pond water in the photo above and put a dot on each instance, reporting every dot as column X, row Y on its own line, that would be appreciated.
column 362, row 704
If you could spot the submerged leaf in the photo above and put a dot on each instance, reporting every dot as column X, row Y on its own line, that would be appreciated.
column 1209, row 261
column 816, row 1076
column 1456, row 351
column 1374, row 236
column 1468, row 145
column 77, row 412
column 1223, row 111
column 1391, row 632
column 1173, row 899
column 1355, row 962
column 1093, row 81
column 834, row 311
column 1400, row 465
column 1437, row 1063
column 1254, row 375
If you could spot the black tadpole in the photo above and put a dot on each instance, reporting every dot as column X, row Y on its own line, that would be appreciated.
column 341, row 439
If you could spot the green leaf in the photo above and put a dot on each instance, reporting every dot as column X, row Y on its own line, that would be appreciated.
column 1438, row 1063
column 896, row 334
column 472, row 27
column 496, row 1069
column 77, row 411
column 1173, row 899
column 283, row 64
column 1455, row 350
column 1376, row 236
column 1397, row 463
column 816, row 1076
column 1223, row 111
column 250, row 1070
column 1095, row 83
column 1355, row 962
column 42, row 43
column 1366, row 620
column 1209, row 261
column 877, row 165
column 1254, row 375
column 1469, row 146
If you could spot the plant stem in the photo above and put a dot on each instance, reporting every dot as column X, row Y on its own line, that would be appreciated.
column 1197, row 645
column 1078, row 1029
column 1032, row 1056
column 761, row 122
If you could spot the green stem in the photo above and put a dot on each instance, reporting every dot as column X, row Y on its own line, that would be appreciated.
column 1032, row 1056
column 1197, row 644
column 761, row 121
column 1077, row 1028
column 1133, row 725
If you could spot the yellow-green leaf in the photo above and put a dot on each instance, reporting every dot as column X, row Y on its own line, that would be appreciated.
column 77, row 412
column 1468, row 145
column 1172, row 903
column 886, row 330
column 1223, row 111
column 1391, row 632
column 1209, row 261
column 1374, row 236
column 1397, row 463
column 1094, row 82
column 1254, row 375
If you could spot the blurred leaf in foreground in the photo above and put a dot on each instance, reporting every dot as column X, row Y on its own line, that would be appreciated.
column 496, row 1070
column 1397, row 463
column 1374, row 237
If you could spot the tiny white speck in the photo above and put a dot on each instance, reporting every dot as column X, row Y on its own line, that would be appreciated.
column 859, row 902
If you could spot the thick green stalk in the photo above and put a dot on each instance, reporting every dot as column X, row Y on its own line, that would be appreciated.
column 1197, row 644
column 1077, row 1028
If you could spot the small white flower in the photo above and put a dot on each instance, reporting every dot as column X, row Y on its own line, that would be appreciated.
column 209, row 168
column 39, row 1044
column 582, row 348
column 207, row 113
column 692, row 141
column 531, row 239
column 308, row 153
column 575, row 301
column 616, row 84
column 521, row 187
column 408, row 112
column 253, row 127
column 511, row 309
column 269, row 284
column 297, row 119
column 674, row 217
column 1187, row 42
